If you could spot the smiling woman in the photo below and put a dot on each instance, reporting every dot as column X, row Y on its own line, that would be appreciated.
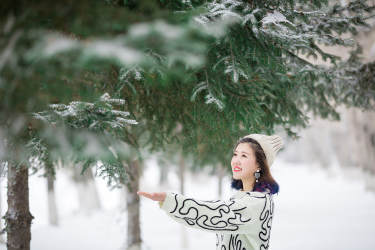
column 244, row 221
column 251, row 164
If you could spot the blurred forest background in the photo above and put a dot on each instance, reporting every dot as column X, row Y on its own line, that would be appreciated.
column 107, row 97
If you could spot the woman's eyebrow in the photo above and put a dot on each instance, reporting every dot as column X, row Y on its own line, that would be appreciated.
column 242, row 152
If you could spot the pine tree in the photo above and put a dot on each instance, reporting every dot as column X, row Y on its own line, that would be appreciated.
column 219, row 68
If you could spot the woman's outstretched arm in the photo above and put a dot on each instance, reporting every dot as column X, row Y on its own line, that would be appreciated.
column 233, row 216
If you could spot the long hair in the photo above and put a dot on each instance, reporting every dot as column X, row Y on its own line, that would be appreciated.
column 265, row 181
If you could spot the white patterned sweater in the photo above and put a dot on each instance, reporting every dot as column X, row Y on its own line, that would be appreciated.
column 241, row 223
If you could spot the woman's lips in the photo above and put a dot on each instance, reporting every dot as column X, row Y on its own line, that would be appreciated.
column 237, row 169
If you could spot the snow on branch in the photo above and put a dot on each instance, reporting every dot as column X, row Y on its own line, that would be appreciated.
column 275, row 18
column 209, row 97
column 94, row 116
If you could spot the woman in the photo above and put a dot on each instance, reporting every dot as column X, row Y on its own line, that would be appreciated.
column 244, row 221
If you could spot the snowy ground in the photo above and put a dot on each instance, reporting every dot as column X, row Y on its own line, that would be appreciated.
column 315, row 209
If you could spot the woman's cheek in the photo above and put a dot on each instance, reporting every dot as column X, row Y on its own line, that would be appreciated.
column 246, row 168
column 231, row 163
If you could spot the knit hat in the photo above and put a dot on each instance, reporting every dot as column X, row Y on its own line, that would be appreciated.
column 270, row 144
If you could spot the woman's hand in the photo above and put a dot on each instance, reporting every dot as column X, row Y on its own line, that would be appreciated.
column 153, row 196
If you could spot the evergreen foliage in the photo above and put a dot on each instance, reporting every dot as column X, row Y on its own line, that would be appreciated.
column 220, row 68
column 95, row 130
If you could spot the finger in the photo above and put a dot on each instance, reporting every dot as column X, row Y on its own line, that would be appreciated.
column 142, row 193
column 145, row 194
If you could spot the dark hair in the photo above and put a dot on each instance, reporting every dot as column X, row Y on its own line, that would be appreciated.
column 265, row 181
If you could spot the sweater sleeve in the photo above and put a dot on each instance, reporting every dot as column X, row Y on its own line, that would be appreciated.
column 225, row 217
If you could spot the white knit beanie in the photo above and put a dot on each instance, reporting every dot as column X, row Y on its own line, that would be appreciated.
column 270, row 144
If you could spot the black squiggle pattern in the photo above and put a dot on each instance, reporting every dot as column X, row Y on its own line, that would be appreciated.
column 266, row 219
column 223, row 221
column 235, row 243
column 227, row 217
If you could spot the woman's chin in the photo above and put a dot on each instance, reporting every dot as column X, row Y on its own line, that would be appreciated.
column 236, row 177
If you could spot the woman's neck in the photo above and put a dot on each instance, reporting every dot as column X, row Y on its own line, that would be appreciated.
column 248, row 184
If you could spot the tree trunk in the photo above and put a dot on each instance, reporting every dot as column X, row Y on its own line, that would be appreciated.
column 363, row 131
column 87, row 192
column 122, row 200
column 18, row 217
column 354, row 142
column 163, row 175
column 52, row 208
column 1, row 214
column 133, row 206
column 181, row 174
column 220, row 175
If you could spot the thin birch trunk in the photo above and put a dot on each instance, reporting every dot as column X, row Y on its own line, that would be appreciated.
column 181, row 174
column 52, row 208
column 87, row 192
column 220, row 176
column 163, row 175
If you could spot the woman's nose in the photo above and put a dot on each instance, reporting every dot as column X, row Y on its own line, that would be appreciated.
column 235, row 160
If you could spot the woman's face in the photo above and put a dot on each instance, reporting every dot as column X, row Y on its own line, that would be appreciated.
column 243, row 162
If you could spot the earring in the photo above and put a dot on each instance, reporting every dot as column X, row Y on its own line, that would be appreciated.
column 257, row 175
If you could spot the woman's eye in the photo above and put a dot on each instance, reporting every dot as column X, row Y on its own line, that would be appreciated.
column 244, row 155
